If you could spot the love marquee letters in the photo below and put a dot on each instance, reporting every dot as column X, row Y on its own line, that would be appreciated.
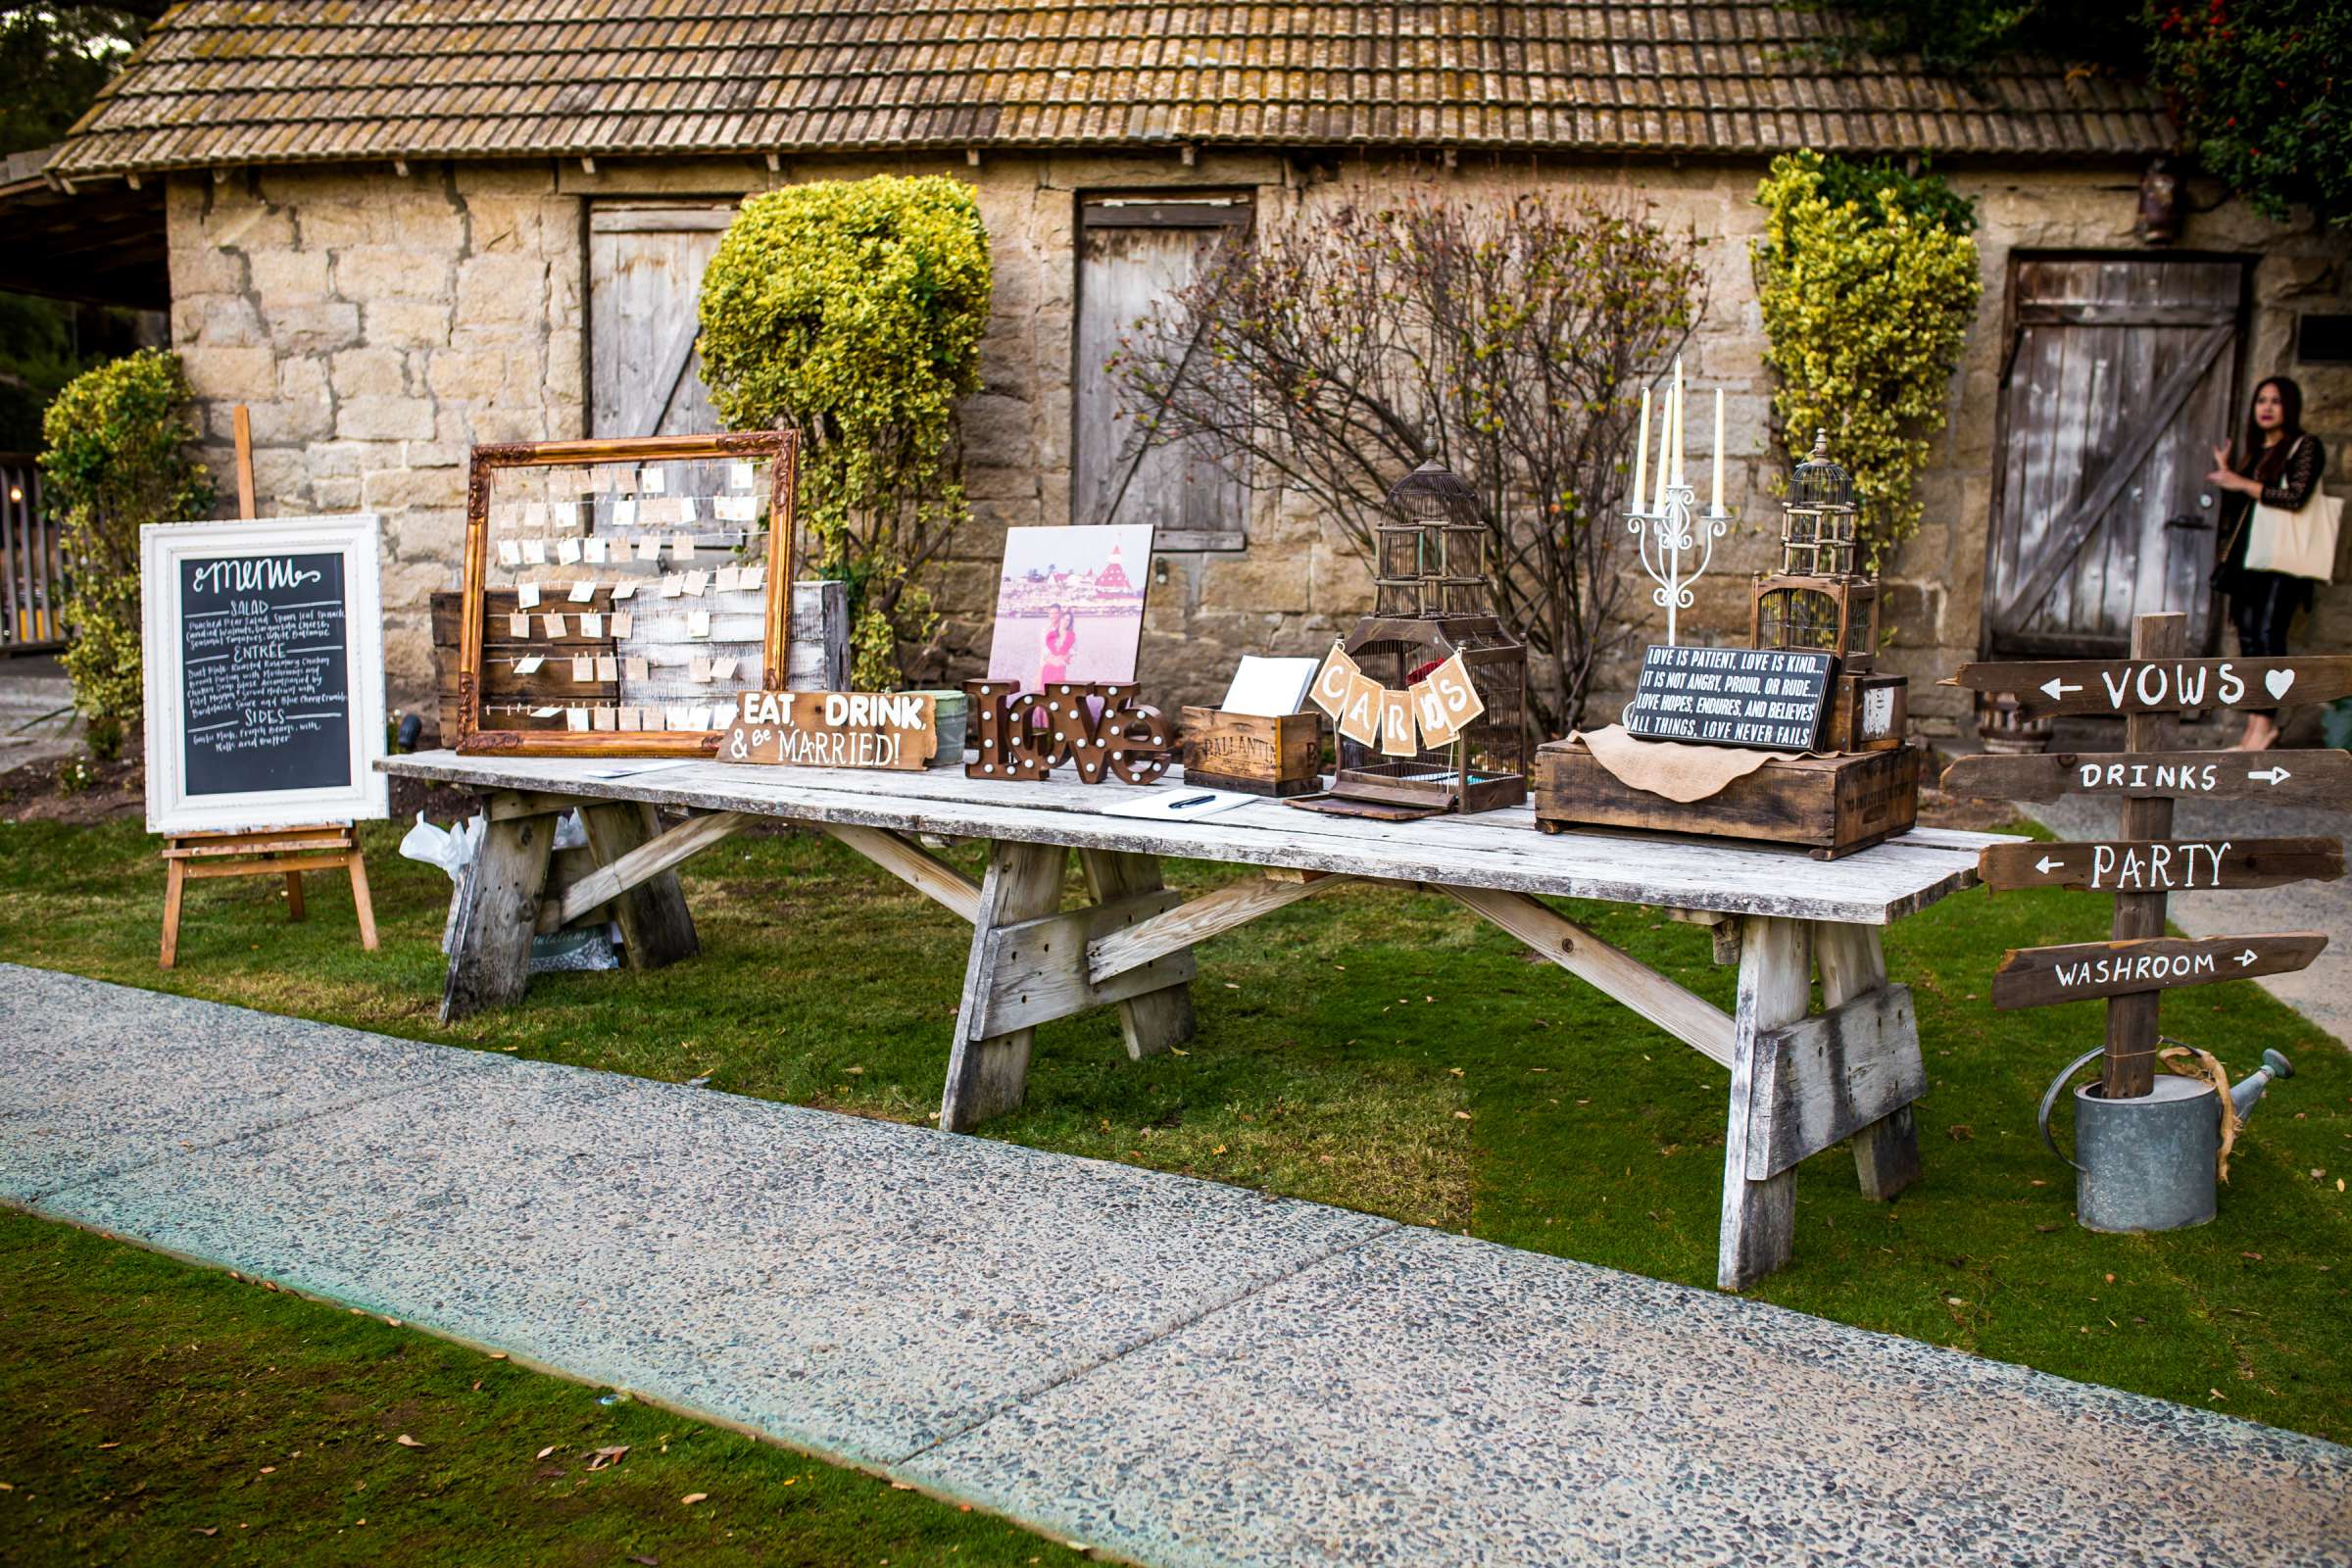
column 1026, row 735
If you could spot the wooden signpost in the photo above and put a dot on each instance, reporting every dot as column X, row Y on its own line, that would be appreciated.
column 2158, row 683
column 2162, row 865
column 2092, row 971
column 2144, row 863
column 2287, row 778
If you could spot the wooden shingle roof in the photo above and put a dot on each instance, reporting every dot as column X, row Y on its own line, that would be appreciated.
column 238, row 82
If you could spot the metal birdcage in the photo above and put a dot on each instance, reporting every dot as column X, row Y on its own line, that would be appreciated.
column 1818, row 599
column 1821, row 523
column 1436, row 601
column 1432, row 548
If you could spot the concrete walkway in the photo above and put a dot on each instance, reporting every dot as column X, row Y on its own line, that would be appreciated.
column 1174, row 1371
column 36, row 712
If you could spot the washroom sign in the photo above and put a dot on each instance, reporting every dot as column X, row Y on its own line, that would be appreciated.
column 2136, row 866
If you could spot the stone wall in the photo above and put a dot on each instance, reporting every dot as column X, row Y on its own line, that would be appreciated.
column 379, row 325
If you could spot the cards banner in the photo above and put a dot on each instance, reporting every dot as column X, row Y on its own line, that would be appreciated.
column 1329, row 691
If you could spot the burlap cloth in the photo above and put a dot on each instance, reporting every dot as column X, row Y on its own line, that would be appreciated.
column 1678, row 770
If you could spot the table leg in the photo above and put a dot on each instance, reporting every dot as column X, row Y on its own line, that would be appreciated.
column 498, row 913
column 1775, row 989
column 1852, row 963
column 656, row 928
column 294, row 895
column 1157, row 1020
column 986, row 1075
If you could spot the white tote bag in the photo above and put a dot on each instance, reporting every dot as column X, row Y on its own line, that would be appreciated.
column 2299, row 542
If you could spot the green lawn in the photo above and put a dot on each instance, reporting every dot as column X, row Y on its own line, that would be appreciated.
column 160, row 1413
column 1387, row 1052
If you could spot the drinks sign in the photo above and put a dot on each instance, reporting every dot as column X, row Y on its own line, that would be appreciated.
column 1771, row 697
column 264, row 674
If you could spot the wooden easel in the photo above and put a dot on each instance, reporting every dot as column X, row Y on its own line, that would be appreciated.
column 285, row 851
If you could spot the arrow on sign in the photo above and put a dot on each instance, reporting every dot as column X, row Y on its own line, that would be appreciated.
column 2271, row 776
column 2046, row 864
column 2056, row 689
column 2247, row 957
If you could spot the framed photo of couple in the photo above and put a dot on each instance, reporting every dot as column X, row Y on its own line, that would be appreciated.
column 1070, row 605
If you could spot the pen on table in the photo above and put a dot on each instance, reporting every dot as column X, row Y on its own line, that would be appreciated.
column 1191, row 800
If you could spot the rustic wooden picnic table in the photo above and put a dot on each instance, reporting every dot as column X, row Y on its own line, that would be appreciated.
column 1800, row 1082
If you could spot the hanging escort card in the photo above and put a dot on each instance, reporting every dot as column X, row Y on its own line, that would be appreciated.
column 1765, row 697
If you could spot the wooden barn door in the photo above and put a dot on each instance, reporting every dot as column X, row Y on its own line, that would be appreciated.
column 1135, row 253
column 2121, row 375
column 645, row 275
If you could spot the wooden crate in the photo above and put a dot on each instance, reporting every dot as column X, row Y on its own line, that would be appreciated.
column 1245, row 751
column 1833, row 806
column 1866, row 714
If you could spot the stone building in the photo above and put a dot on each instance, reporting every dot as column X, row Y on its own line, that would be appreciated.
column 396, row 232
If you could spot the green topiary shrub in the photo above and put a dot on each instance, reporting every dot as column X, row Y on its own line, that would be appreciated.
column 116, row 458
column 1868, row 282
column 851, row 311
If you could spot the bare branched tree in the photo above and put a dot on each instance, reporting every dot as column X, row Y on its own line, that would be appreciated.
column 1508, row 343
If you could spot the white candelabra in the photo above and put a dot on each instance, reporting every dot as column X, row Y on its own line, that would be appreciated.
column 1677, row 544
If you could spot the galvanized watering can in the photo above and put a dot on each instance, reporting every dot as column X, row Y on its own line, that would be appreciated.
column 2148, row 1164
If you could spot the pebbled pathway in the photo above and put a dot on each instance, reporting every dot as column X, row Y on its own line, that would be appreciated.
column 1177, row 1372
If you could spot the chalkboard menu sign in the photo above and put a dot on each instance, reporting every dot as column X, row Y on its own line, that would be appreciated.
column 264, row 674
column 1762, row 697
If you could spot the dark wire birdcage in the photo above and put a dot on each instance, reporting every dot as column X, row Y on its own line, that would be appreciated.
column 1820, row 525
column 1819, row 600
column 1432, row 548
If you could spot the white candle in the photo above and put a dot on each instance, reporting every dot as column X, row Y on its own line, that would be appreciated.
column 1665, row 445
column 1718, row 506
column 1678, row 423
column 1641, row 452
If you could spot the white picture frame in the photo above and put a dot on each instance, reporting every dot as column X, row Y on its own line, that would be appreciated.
column 173, row 805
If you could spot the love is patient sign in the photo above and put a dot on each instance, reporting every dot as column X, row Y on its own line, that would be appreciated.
column 833, row 729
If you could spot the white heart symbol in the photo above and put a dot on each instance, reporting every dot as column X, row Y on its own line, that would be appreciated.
column 2277, row 680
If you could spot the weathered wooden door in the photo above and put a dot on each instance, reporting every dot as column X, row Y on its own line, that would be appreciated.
column 1135, row 253
column 2121, row 375
column 645, row 275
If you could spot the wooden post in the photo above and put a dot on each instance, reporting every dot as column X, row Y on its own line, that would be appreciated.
column 241, row 421
column 1758, row 1230
column 1853, row 964
column 656, row 928
column 498, row 913
column 1156, row 1021
column 2133, row 1019
column 987, row 1075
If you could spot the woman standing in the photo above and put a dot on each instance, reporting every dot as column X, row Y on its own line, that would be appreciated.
column 1054, row 650
column 2277, row 463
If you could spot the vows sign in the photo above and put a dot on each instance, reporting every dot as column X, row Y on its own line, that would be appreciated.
column 1771, row 697
column 2161, row 685
column 833, row 729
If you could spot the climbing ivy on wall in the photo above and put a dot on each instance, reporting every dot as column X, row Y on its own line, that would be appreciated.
column 1868, row 281
column 116, row 458
column 852, row 312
